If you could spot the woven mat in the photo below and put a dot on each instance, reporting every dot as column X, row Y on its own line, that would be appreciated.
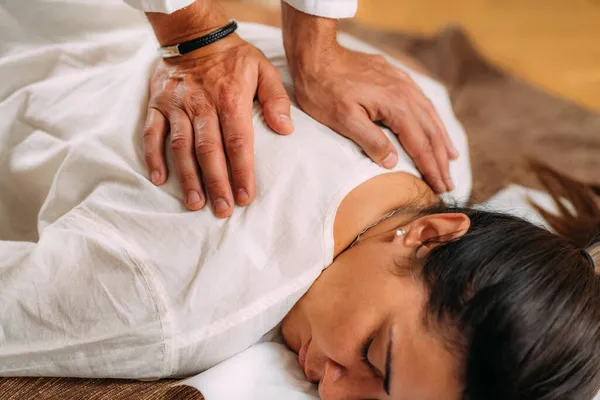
column 506, row 120
column 93, row 389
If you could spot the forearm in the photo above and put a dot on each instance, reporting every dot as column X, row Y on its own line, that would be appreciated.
column 197, row 19
column 306, row 37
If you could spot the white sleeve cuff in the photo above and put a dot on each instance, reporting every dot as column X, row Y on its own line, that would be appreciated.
column 326, row 8
column 161, row 6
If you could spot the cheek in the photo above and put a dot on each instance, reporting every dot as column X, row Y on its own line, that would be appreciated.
column 350, row 299
column 350, row 314
column 344, row 298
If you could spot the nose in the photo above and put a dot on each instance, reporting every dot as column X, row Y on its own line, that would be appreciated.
column 339, row 383
column 328, row 386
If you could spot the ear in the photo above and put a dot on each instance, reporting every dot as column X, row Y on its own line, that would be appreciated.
column 446, row 226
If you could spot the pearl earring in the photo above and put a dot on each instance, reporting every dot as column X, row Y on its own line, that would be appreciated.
column 400, row 232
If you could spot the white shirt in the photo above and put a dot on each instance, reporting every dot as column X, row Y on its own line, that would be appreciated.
column 321, row 8
column 102, row 274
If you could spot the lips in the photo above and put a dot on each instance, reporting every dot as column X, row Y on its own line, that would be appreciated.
column 311, row 375
column 302, row 355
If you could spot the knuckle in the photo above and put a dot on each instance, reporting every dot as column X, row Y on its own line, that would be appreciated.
column 235, row 143
column 397, row 105
column 229, row 106
column 346, row 107
column 268, row 73
column 229, row 97
column 277, row 99
column 215, row 187
column 348, row 98
column 423, row 152
column 205, row 147
column 396, row 120
column 195, row 102
column 238, row 172
column 188, row 176
column 426, row 147
column 149, row 157
column 399, row 99
column 171, row 100
column 178, row 142
column 149, row 132
column 431, row 130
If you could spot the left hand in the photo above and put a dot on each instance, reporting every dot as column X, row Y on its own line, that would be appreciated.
column 348, row 90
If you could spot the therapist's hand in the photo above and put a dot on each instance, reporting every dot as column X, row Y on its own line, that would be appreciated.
column 348, row 90
column 204, row 100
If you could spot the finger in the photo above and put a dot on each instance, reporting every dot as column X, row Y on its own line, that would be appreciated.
column 358, row 127
column 274, row 100
column 417, row 145
column 438, row 144
column 453, row 153
column 235, row 117
column 211, row 158
column 440, row 151
column 182, row 144
column 155, row 131
column 430, row 110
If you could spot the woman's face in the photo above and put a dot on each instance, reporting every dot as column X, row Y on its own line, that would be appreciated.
column 360, row 330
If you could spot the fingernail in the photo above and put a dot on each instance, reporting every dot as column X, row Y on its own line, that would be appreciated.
column 454, row 151
column 221, row 205
column 192, row 198
column 155, row 177
column 242, row 196
column 390, row 161
column 439, row 187
column 286, row 119
column 449, row 184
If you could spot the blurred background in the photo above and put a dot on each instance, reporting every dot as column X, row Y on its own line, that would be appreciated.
column 554, row 44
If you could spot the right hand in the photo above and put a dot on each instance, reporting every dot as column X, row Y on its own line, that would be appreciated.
column 349, row 91
column 204, row 100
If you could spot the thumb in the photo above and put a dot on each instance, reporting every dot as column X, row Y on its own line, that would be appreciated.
column 274, row 99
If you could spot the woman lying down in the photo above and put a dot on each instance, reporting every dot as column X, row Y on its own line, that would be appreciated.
column 382, row 289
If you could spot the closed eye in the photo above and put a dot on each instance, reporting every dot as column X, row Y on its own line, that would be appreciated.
column 364, row 354
column 385, row 377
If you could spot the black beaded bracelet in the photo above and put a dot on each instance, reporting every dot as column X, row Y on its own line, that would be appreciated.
column 194, row 44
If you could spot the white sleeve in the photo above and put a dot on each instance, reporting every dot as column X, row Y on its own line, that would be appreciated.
column 326, row 8
column 162, row 6
column 321, row 8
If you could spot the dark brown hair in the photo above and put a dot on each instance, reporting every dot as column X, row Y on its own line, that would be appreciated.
column 524, row 302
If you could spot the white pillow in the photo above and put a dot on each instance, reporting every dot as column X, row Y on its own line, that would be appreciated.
column 264, row 371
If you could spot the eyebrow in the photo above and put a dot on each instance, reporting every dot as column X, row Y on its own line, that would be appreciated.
column 388, row 365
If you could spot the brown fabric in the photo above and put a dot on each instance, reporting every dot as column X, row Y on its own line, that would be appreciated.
column 93, row 389
column 506, row 120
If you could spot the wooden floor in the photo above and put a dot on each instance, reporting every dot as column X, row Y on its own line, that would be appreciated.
column 553, row 43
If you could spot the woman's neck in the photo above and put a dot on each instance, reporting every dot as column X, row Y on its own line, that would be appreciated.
column 374, row 199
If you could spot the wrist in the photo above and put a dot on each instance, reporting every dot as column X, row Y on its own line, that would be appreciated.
column 198, row 19
column 309, row 41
